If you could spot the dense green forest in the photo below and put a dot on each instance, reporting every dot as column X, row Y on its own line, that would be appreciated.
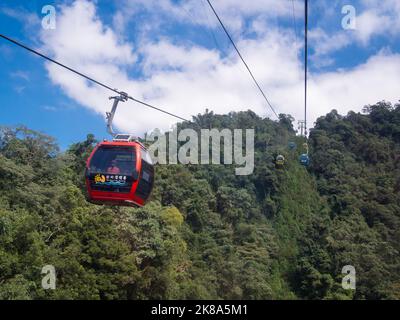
column 207, row 233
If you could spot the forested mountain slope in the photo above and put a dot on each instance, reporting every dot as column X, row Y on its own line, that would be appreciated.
column 207, row 233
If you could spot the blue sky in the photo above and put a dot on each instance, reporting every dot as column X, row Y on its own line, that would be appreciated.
column 174, row 54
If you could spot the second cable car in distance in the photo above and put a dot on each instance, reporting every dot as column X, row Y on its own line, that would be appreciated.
column 304, row 159
column 280, row 161
column 292, row 145
column 119, row 172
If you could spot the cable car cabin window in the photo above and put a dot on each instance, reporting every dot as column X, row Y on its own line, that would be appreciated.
column 146, row 182
column 115, row 160
column 112, row 169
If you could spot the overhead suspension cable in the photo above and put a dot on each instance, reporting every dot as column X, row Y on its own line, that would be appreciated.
column 294, row 22
column 90, row 79
column 305, row 61
column 241, row 57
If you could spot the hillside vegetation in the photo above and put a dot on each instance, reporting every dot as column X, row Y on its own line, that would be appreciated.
column 207, row 233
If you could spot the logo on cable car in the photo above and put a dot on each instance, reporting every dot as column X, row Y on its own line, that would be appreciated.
column 99, row 178
column 111, row 180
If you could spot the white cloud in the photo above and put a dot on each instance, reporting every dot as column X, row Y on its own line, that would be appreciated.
column 24, row 75
column 326, row 44
column 198, row 12
column 186, row 79
column 19, row 89
column 164, row 55
column 371, row 23
column 375, row 80
column 373, row 18
column 30, row 20
column 49, row 108
column 80, row 37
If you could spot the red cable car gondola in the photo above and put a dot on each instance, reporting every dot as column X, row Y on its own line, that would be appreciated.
column 119, row 172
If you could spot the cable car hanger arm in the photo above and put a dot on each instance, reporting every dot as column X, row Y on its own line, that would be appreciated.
column 110, row 115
